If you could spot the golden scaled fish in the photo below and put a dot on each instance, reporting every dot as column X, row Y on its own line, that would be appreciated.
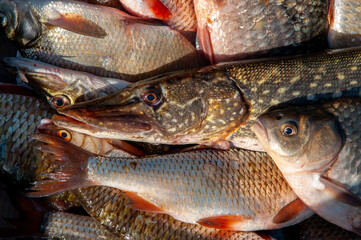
column 179, row 14
column 109, row 206
column 96, row 39
column 215, row 106
column 191, row 186
column 317, row 150
column 345, row 24
column 234, row 29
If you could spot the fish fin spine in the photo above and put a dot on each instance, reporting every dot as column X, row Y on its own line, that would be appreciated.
column 70, row 172
column 224, row 222
column 290, row 211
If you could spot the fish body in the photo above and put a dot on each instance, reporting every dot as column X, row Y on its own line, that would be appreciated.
column 101, row 40
column 317, row 150
column 109, row 206
column 215, row 106
column 71, row 226
column 344, row 30
column 189, row 186
column 231, row 30
column 179, row 14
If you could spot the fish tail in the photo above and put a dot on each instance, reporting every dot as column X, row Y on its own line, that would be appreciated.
column 70, row 167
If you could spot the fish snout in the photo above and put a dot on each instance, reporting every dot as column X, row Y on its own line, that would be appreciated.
column 19, row 22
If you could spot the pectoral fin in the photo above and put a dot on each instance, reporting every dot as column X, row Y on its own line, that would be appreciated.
column 77, row 23
column 339, row 192
column 205, row 43
column 290, row 211
column 140, row 204
column 159, row 10
column 223, row 222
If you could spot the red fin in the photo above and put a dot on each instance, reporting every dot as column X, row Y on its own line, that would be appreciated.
column 139, row 203
column 15, row 89
column 290, row 211
column 339, row 192
column 77, row 23
column 71, row 170
column 330, row 12
column 159, row 10
column 205, row 43
column 127, row 147
column 223, row 222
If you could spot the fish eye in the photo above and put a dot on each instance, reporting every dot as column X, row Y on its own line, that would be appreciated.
column 152, row 96
column 65, row 134
column 289, row 129
column 60, row 101
column 3, row 19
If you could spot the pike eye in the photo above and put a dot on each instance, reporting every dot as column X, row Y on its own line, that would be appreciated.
column 60, row 101
column 3, row 19
column 152, row 96
column 64, row 134
column 289, row 129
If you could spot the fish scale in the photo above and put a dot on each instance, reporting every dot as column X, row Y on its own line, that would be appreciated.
column 103, row 41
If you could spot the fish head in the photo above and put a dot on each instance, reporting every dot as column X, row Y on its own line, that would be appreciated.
column 19, row 22
column 167, row 110
column 300, row 139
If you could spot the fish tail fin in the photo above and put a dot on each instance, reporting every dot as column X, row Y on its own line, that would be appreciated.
column 69, row 164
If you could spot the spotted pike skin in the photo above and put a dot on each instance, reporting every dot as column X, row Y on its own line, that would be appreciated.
column 344, row 29
column 194, row 185
column 127, row 48
column 218, row 104
column 70, row 226
column 107, row 205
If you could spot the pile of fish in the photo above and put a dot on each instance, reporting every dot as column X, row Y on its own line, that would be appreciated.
column 121, row 128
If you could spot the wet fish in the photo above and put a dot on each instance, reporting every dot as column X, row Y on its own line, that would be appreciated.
column 215, row 106
column 179, row 14
column 317, row 150
column 64, row 225
column 20, row 113
column 113, row 44
column 345, row 24
column 318, row 228
column 189, row 186
column 63, row 86
column 109, row 206
column 231, row 30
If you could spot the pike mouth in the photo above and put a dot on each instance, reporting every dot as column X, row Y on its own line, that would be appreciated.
column 101, row 122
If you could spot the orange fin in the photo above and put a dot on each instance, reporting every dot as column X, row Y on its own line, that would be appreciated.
column 339, row 192
column 140, row 204
column 71, row 167
column 330, row 12
column 205, row 43
column 77, row 23
column 223, row 222
column 159, row 10
column 126, row 147
column 290, row 211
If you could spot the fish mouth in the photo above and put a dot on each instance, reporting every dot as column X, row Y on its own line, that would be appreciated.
column 261, row 132
column 103, row 123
